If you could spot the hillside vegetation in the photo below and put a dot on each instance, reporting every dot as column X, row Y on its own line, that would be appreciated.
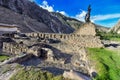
column 107, row 63
column 35, row 74
column 3, row 57
column 109, row 36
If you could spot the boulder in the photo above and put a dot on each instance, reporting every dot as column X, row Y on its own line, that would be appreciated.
column 75, row 75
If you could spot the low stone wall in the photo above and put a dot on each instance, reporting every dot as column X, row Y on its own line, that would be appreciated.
column 14, row 48
column 71, row 39
column 49, row 35
column 74, row 39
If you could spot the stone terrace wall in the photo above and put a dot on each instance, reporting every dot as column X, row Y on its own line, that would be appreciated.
column 74, row 39
column 14, row 48
column 86, row 41
column 50, row 35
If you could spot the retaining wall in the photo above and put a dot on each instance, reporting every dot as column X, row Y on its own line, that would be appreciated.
column 74, row 39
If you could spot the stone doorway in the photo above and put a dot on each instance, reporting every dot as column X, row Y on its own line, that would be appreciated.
column 43, row 54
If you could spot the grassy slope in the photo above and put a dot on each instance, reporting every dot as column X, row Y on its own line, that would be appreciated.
column 107, row 63
column 34, row 74
column 115, row 39
column 2, row 58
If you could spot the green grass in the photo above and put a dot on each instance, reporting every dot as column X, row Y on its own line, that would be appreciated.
column 107, row 63
column 3, row 57
column 33, row 74
column 115, row 39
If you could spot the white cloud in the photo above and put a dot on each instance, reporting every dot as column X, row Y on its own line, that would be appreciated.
column 81, row 15
column 94, row 18
column 105, row 17
column 45, row 5
column 62, row 12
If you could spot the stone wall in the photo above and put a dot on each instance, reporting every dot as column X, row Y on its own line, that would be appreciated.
column 49, row 35
column 74, row 39
column 14, row 48
column 86, row 41
column 84, row 37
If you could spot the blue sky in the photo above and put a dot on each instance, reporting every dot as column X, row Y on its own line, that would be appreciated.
column 104, row 12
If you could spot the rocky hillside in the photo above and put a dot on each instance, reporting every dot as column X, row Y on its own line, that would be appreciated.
column 68, row 21
column 30, row 17
column 116, row 28
column 74, row 23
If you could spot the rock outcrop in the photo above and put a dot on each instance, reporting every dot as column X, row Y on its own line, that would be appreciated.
column 87, row 29
column 116, row 28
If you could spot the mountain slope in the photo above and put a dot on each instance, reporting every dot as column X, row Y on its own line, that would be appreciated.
column 9, row 17
column 74, row 23
column 116, row 28
column 68, row 21
column 32, row 11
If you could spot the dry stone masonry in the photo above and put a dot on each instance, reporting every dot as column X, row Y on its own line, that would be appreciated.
column 84, row 37
column 14, row 48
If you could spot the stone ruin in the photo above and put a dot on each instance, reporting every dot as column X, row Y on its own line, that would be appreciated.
column 28, row 43
column 38, row 51
column 84, row 37
column 32, row 44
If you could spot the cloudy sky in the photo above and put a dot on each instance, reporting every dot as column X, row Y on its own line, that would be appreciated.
column 104, row 12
